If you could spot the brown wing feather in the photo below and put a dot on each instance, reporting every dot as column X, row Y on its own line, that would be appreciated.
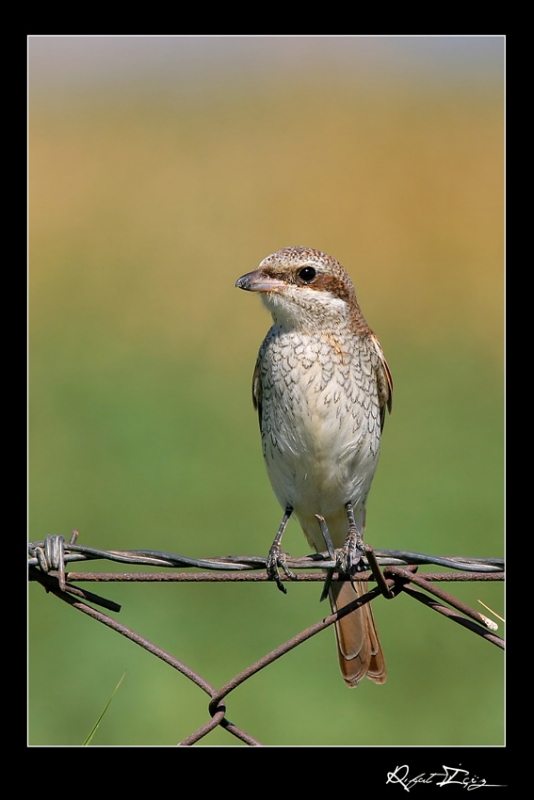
column 385, row 382
column 256, row 389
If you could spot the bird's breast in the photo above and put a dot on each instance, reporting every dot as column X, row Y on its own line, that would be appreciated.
column 320, row 419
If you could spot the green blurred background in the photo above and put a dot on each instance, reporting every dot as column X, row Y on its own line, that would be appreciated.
column 160, row 171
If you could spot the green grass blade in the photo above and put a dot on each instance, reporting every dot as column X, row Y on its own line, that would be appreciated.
column 104, row 710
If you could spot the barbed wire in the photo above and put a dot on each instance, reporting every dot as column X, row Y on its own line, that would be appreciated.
column 393, row 570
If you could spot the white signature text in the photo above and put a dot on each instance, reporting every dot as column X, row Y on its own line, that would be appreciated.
column 450, row 776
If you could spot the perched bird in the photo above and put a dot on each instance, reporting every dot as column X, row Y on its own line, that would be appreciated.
column 321, row 387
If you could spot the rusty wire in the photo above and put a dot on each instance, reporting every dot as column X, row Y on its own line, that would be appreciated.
column 394, row 571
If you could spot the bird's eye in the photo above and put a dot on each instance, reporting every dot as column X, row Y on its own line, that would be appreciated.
column 307, row 274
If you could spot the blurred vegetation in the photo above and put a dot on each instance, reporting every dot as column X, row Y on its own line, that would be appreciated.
column 144, row 210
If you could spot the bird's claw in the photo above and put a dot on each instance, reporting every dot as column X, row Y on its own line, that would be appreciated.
column 348, row 557
column 277, row 560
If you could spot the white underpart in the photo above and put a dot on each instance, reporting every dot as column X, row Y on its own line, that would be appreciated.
column 321, row 416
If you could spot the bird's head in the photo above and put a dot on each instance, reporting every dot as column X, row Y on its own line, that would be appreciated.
column 304, row 289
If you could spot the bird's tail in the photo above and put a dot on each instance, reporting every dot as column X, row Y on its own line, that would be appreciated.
column 359, row 649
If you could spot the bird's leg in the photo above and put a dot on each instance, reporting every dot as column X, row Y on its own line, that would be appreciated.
column 352, row 551
column 276, row 557
column 331, row 552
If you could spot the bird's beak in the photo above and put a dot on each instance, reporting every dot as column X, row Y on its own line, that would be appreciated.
column 259, row 281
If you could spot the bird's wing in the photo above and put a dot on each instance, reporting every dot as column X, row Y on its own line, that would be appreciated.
column 256, row 389
column 384, row 381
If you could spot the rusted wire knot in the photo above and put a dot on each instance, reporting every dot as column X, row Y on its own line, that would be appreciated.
column 51, row 555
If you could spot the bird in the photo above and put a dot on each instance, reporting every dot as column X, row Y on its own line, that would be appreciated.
column 321, row 387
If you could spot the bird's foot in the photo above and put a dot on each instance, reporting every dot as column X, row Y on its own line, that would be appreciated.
column 277, row 558
column 346, row 559
column 349, row 556
column 276, row 561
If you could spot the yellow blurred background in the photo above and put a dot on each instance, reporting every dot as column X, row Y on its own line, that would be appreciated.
column 151, row 192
